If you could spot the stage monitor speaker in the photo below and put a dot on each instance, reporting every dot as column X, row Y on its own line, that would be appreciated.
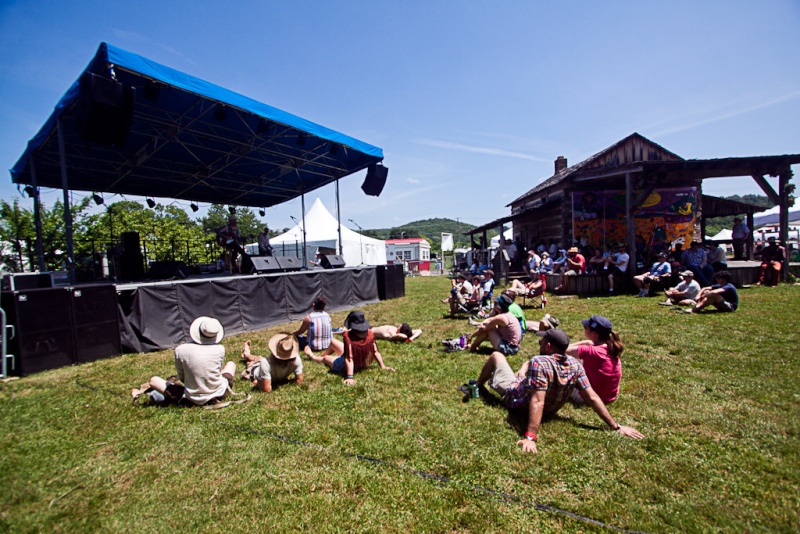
column 331, row 261
column 168, row 270
column 43, row 329
column 23, row 281
column 96, row 327
column 391, row 282
column 130, row 243
column 260, row 264
column 105, row 110
column 375, row 180
column 289, row 263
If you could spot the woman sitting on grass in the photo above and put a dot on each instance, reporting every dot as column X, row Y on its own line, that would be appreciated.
column 317, row 326
column 600, row 355
column 360, row 349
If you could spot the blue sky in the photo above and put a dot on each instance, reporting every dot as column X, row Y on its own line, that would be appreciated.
column 470, row 101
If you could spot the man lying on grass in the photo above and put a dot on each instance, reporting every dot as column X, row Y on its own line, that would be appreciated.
column 545, row 383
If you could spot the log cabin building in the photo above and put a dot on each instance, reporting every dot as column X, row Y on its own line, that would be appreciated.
column 637, row 189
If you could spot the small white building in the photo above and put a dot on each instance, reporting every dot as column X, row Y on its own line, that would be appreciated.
column 414, row 251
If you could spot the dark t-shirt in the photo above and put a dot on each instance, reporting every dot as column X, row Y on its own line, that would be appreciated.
column 730, row 294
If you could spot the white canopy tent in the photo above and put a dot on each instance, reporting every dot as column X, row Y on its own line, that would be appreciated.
column 322, row 232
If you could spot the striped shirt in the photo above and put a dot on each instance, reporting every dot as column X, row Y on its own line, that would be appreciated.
column 320, row 331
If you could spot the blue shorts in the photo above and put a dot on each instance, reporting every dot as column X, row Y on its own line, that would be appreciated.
column 338, row 366
column 508, row 349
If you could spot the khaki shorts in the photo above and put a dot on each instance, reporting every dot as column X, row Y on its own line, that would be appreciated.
column 503, row 378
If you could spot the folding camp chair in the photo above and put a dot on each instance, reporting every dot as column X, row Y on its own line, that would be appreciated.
column 537, row 297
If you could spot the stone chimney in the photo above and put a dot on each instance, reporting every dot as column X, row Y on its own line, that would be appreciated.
column 561, row 164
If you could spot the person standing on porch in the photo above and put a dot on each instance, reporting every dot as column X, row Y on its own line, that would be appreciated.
column 739, row 234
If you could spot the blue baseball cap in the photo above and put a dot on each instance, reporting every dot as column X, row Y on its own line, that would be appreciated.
column 597, row 323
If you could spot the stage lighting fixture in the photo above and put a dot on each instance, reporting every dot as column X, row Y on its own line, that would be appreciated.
column 98, row 199
column 262, row 212
column 333, row 149
column 151, row 203
column 232, row 210
column 194, row 207
column 30, row 191
column 301, row 139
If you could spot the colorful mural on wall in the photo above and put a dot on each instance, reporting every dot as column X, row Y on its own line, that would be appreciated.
column 667, row 215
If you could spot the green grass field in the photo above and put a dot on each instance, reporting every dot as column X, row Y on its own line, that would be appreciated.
column 716, row 396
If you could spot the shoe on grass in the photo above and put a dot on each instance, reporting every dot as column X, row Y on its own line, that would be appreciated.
column 666, row 303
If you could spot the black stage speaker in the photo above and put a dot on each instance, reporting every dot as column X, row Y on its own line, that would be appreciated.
column 105, row 111
column 23, row 281
column 43, row 329
column 168, row 270
column 260, row 264
column 131, row 261
column 331, row 261
column 289, row 263
column 94, row 317
column 391, row 282
column 375, row 180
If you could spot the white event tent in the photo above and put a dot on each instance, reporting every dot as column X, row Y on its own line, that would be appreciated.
column 322, row 232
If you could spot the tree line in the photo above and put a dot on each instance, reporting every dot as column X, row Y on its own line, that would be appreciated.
column 166, row 232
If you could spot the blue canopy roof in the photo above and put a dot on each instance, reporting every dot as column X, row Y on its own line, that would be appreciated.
column 187, row 139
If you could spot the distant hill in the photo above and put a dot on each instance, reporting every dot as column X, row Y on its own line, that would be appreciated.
column 714, row 225
column 430, row 229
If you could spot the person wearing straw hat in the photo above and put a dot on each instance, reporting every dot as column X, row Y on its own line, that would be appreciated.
column 200, row 365
column 283, row 361
column 360, row 349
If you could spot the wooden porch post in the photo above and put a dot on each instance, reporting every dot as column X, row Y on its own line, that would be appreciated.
column 630, row 221
column 784, row 190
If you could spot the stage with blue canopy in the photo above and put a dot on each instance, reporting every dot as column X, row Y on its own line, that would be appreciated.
column 131, row 126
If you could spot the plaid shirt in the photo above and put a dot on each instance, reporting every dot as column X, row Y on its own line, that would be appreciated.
column 556, row 374
column 694, row 258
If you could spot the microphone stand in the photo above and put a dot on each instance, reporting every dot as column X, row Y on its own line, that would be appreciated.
column 360, row 239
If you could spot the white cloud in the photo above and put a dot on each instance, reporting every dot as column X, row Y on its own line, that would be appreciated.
column 491, row 151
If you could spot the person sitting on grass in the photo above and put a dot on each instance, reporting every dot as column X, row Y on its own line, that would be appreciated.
column 660, row 272
column 200, row 365
column 320, row 331
column 401, row 333
column 360, row 349
column 284, row 360
column 513, row 308
column 722, row 295
column 684, row 293
column 503, row 330
column 543, row 384
column 547, row 322
column 600, row 355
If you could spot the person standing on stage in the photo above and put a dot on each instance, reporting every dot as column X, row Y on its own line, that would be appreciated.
column 264, row 248
column 229, row 238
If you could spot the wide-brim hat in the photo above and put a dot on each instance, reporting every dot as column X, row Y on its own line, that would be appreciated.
column 284, row 346
column 548, row 321
column 687, row 273
column 206, row 331
column 356, row 321
column 572, row 249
